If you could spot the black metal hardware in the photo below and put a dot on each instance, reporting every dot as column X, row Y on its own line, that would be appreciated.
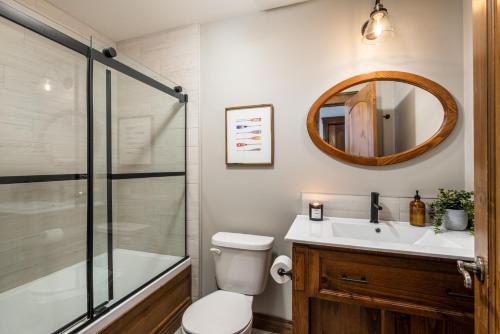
column 100, row 308
column 283, row 272
column 374, row 207
column 185, row 178
column 70, row 324
column 41, row 28
column 178, row 89
column 387, row 116
column 378, row 7
column 458, row 294
column 109, row 52
column 361, row 280
column 41, row 178
column 90, row 188
column 125, row 176
column 133, row 73
column 109, row 185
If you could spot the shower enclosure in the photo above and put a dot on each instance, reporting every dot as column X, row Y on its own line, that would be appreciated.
column 92, row 178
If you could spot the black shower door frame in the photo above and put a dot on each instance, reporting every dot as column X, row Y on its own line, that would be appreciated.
column 92, row 55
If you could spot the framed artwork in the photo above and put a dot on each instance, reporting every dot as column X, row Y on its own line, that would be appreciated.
column 250, row 135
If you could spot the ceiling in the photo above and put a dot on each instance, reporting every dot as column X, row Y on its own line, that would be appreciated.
column 124, row 19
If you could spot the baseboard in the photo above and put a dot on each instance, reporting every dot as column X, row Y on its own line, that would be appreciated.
column 272, row 324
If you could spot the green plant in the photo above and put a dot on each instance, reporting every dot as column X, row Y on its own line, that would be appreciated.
column 455, row 200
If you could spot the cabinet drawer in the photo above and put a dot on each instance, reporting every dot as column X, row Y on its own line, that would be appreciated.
column 428, row 282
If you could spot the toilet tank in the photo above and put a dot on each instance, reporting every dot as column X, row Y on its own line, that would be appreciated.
column 242, row 262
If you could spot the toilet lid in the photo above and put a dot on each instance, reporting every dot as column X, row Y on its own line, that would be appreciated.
column 221, row 312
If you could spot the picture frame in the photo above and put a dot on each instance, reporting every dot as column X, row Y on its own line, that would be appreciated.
column 250, row 135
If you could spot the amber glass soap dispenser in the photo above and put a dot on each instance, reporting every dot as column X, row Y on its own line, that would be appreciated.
column 417, row 211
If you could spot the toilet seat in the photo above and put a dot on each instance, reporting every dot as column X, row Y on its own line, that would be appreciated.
column 221, row 312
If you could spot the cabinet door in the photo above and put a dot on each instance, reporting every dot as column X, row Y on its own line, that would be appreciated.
column 342, row 318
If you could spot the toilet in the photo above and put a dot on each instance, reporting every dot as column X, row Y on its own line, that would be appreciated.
column 242, row 264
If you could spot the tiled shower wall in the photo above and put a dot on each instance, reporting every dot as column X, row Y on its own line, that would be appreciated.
column 175, row 54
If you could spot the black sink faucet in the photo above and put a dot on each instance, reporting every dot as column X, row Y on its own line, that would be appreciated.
column 374, row 208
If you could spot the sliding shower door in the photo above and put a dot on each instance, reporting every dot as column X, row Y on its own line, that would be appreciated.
column 43, row 187
column 92, row 178
column 139, row 168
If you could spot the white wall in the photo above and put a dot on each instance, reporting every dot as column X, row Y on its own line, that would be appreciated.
column 288, row 57
column 417, row 113
column 385, row 106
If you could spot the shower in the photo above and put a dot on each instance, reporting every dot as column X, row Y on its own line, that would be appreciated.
column 92, row 179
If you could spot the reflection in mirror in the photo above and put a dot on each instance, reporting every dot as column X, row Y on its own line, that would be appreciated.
column 379, row 118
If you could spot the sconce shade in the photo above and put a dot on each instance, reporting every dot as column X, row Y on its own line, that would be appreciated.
column 378, row 27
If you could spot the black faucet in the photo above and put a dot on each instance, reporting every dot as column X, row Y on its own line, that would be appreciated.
column 374, row 208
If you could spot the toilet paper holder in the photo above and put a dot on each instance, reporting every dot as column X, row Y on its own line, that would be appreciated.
column 283, row 272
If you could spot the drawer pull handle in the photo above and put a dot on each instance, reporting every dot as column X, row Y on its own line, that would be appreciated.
column 458, row 294
column 362, row 280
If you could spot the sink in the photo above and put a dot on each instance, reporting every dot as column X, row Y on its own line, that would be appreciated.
column 381, row 232
column 388, row 236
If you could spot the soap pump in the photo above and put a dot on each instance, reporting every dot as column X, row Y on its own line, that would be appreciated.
column 417, row 211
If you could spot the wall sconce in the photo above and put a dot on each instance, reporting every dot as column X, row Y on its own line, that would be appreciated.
column 378, row 27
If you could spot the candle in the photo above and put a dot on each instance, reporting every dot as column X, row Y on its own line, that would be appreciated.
column 316, row 211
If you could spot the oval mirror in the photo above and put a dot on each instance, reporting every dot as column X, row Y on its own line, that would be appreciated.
column 381, row 118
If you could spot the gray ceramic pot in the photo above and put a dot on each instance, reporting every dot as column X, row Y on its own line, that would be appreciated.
column 455, row 220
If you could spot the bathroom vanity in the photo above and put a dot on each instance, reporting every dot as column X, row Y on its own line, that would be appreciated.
column 351, row 276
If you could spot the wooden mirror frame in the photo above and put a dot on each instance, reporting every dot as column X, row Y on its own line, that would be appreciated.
column 447, row 101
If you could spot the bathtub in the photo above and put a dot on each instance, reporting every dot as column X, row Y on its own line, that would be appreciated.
column 51, row 302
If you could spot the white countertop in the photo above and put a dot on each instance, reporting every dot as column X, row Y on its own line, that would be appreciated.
column 392, row 237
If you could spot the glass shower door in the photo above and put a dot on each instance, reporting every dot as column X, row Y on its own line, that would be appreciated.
column 75, row 130
column 43, row 194
column 144, row 231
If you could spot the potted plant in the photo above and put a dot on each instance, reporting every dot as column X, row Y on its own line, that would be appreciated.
column 454, row 209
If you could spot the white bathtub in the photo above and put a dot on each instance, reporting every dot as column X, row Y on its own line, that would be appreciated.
column 48, row 303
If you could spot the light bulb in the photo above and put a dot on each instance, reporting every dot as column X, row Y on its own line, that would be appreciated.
column 47, row 86
column 377, row 30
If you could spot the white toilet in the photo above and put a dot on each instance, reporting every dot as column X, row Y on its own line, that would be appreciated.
column 242, row 263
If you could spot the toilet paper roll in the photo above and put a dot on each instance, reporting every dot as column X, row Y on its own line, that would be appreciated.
column 281, row 262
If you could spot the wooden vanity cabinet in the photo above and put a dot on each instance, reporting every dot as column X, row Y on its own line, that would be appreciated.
column 337, row 291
